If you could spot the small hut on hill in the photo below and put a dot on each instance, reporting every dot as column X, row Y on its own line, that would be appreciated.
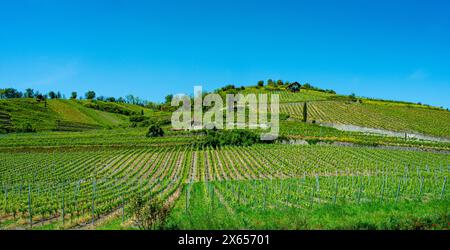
column 294, row 87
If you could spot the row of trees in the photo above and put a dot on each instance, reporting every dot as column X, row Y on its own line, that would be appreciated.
column 272, row 83
column 9, row 93
column 280, row 83
column 165, row 106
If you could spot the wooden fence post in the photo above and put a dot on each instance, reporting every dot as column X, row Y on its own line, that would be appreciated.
column 29, row 206
column 93, row 202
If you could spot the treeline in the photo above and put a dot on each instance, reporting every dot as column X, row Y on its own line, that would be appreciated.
column 272, row 85
column 9, row 93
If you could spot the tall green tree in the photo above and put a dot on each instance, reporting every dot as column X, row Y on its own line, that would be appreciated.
column 52, row 95
column 169, row 99
column 29, row 93
column 130, row 99
column 305, row 112
column 10, row 93
column 90, row 95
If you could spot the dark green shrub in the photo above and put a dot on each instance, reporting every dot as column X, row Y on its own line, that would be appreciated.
column 155, row 130
column 149, row 214
column 27, row 128
column 217, row 138
column 137, row 118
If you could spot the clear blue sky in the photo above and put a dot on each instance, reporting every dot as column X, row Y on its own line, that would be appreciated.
column 387, row 49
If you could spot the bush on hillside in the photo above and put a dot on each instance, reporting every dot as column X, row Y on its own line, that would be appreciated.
column 150, row 214
column 26, row 128
column 155, row 130
column 138, row 118
column 216, row 138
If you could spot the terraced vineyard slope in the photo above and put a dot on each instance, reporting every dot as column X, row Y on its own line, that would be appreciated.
column 400, row 118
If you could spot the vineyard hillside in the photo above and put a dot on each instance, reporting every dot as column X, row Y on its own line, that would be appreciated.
column 327, row 108
column 27, row 115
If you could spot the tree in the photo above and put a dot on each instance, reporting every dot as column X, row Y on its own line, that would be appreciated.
column 90, row 95
column 305, row 112
column 73, row 95
column 307, row 86
column 155, row 130
column 152, row 105
column 10, row 93
column 52, row 95
column 280, row 82
column 169, row 99
column 137, row 100
column 270, row 82
column 29, row 93
column 111, row 99
column 130, row 99
column 58, row 95
column 260, row 83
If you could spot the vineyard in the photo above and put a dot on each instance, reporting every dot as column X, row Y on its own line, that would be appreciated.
column 66, row 115
column 294, row 130
column 79, row 188
column 389, row 117
column 80, row 164
column 207, row 124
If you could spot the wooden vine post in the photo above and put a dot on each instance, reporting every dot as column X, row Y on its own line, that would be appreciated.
column 30, row 214
column 93, row 202
column 62, row 208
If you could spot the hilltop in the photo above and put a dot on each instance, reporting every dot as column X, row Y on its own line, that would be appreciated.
column 327, row 108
